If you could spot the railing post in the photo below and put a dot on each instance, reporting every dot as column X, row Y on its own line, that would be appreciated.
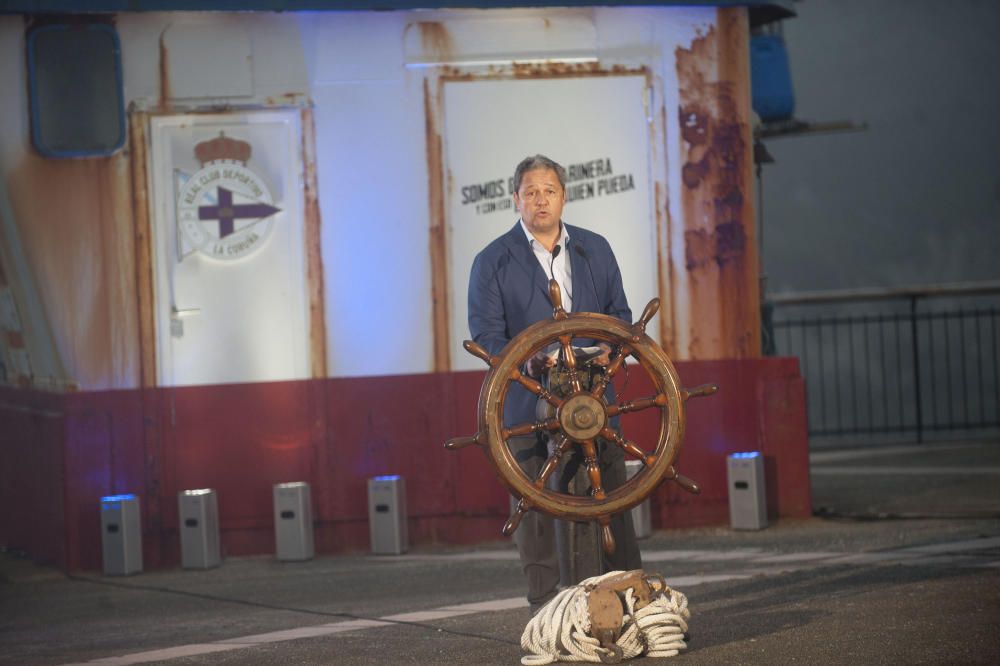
column 916, row 367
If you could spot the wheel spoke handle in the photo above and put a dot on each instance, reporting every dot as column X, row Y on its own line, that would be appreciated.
column 515, row 518
column 699, row 391
column 607, row 538
column 639, row 327
column 638, row 404
column 569, row 360
column 479, row 351
column 593, row 469
column 555, row 295
column 602, row 380
column 687, row 484
column 457, row 443
column 536, row 388
column 529, row 428
column 630, row 447
column 553, row 462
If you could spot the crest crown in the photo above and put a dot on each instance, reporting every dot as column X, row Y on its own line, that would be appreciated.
column 222, row 148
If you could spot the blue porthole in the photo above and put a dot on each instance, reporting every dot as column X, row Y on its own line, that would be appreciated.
column 75, row 84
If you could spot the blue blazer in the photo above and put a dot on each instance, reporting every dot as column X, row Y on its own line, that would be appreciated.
column 508, row 292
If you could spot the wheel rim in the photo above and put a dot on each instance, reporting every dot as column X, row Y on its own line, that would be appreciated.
column 668, row 391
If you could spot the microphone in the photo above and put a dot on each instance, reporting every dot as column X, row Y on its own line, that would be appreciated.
column 593, row 283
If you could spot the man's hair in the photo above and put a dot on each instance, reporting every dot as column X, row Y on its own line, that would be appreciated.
column 538, row 162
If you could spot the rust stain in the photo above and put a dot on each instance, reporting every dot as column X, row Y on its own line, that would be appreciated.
column 548, row 69
column 695, row 170
column 555, row 69
column 736, row 203
column 730, row 240
column 439, row 265
column 152, row 429
column 313, row 249
column 117, row 230
column 664, row 271
column 664, row 257
column 164, row 74
column 284, row 99
column 143, row 251
column 697, row 248
column 452, row 73
column 670, row 340
column 694, row 125
column 436, row 40
column 75, row 226
column 719, row 252
column 144, row 314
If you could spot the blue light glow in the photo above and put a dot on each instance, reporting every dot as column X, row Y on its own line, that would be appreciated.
column 744, row 455
column 118, row 498
column 394, row 477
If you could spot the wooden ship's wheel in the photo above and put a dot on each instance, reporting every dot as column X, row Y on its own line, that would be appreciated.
column 580, row 416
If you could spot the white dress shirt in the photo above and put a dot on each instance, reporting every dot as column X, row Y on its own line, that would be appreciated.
column 560, row 267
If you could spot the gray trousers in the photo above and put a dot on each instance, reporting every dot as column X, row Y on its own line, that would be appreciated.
column 536, row 535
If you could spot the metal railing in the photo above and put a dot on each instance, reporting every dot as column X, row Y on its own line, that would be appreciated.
column 887, row 362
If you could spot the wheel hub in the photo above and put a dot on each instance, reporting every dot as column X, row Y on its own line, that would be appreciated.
column 582, row 416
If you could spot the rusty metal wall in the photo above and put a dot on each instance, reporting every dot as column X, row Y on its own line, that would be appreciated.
column 68, row 450
column 715, row 272
column 707, row 265
column 74, row 222
column 82, row 226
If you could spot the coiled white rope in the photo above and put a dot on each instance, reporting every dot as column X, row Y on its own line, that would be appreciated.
column 560, row 630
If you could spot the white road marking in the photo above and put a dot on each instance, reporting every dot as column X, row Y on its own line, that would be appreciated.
column 673, row 555
column 302, row 632
column 700, row 555
column 495, row 605
column 948, row 554
column 679, row 582
column 902, row 471
column 306, row 632
column 940, row 560
column 954, row 546
column 871, row 558
column 490, row 555
column 794, row 557
column 874, row 452
column 191, row 650
column 430, row 615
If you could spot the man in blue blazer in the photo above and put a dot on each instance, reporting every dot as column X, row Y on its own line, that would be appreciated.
column 508, row 291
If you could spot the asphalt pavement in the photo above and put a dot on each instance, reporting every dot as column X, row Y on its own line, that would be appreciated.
column 901, row 565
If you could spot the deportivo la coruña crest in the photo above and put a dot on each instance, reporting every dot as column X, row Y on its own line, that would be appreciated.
column 225, row 210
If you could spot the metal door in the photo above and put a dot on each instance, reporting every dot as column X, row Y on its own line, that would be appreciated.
column 229, row 263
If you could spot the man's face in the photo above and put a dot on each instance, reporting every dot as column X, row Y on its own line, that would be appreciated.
column 540, row 200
